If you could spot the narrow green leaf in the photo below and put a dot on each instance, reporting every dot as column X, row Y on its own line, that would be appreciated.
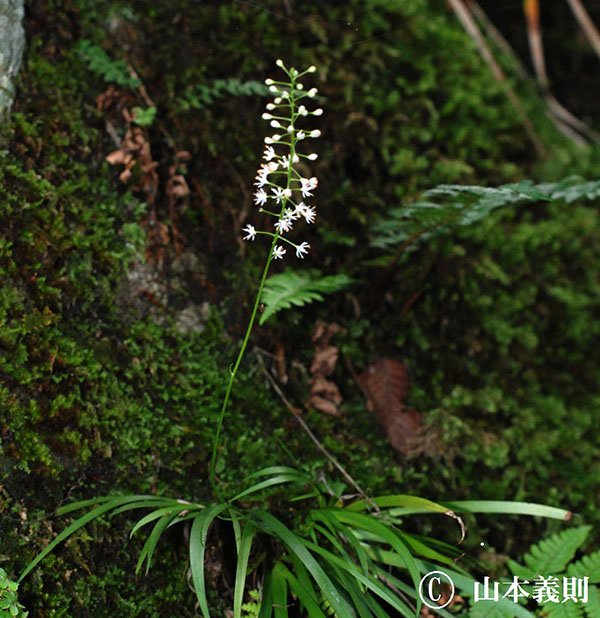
column 279, row 592
column 398, row 500
column 198, row 535
column 276, row 480
column 152, row 540
column 266, row 603
column 242, row 566
column 295, row 544
column 305, row 595
column 67, row 532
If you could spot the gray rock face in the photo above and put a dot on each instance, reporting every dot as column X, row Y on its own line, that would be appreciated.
column 12, row 43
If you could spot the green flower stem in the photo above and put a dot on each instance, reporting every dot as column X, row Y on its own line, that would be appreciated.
column 233, row 372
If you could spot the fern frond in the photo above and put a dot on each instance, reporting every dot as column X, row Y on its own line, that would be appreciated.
column 456, row 205
column 563, row 610
column 588, row 566
column 291, row 288
column 488, row 609
column 592, row 607
column 550, row 556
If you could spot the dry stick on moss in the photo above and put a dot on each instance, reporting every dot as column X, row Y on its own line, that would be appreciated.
column 468, row 23
column 312, row 436
column 564, row 120
column 496, row 36
column 586, row 23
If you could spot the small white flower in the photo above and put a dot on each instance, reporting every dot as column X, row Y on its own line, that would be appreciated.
column 300, row 135
column 290, row 128
column 318, row 112
column 272, row 166
column 284, row 225
column 315, row 133
column 251, row 231
column 260, row 197
column 280, row 194
column 269, row 153
column 278, row 252
column 302, row 249
column 291, row 214
column 303, row 111
column 308, row 184
column 310, row 214
column 261, row 176
column 312, row 92
column 313, row 156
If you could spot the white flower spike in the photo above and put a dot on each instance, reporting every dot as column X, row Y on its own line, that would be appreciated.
column 287, row 186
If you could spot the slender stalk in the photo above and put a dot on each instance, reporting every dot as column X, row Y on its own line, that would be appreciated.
column 233, row 372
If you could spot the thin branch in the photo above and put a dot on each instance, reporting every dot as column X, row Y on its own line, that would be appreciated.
column 586, row 23
column 468, row 23
column 312, row 436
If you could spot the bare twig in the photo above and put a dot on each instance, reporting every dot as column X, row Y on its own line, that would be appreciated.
column 312, row 436
column 563, row 119
column 466, row 19
column 586, row 23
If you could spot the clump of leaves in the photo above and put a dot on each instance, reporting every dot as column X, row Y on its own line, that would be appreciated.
column 9, row 604
column 356, row 559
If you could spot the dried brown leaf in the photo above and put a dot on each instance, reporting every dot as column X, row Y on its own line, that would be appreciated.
column 386, row 384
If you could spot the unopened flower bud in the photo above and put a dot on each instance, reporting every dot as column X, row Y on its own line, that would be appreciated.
column 290, row 128
column 277, row 101
column 313, row 156
column 275, row 124
column 275, row 137
column 268, row 140
column 311, row 69
column 266, row 116
column 312, row 92
column 279, row 62
column 299, row 86
column 270, row 107
column 268, row 81
column 315, row 133
column 293, row 72
column 318, row 112
column 273, row 88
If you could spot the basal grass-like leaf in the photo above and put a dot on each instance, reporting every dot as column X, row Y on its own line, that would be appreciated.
column 243, row 554
column 198, row 535
column 298, row 546
column 293, row 288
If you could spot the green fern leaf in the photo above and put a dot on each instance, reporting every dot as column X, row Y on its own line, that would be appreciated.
column 592, row 607
column 446, row 206
column 588, row 566
column 563, row 610
column 290, row 288
column 488, row 609
column 551, row 556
